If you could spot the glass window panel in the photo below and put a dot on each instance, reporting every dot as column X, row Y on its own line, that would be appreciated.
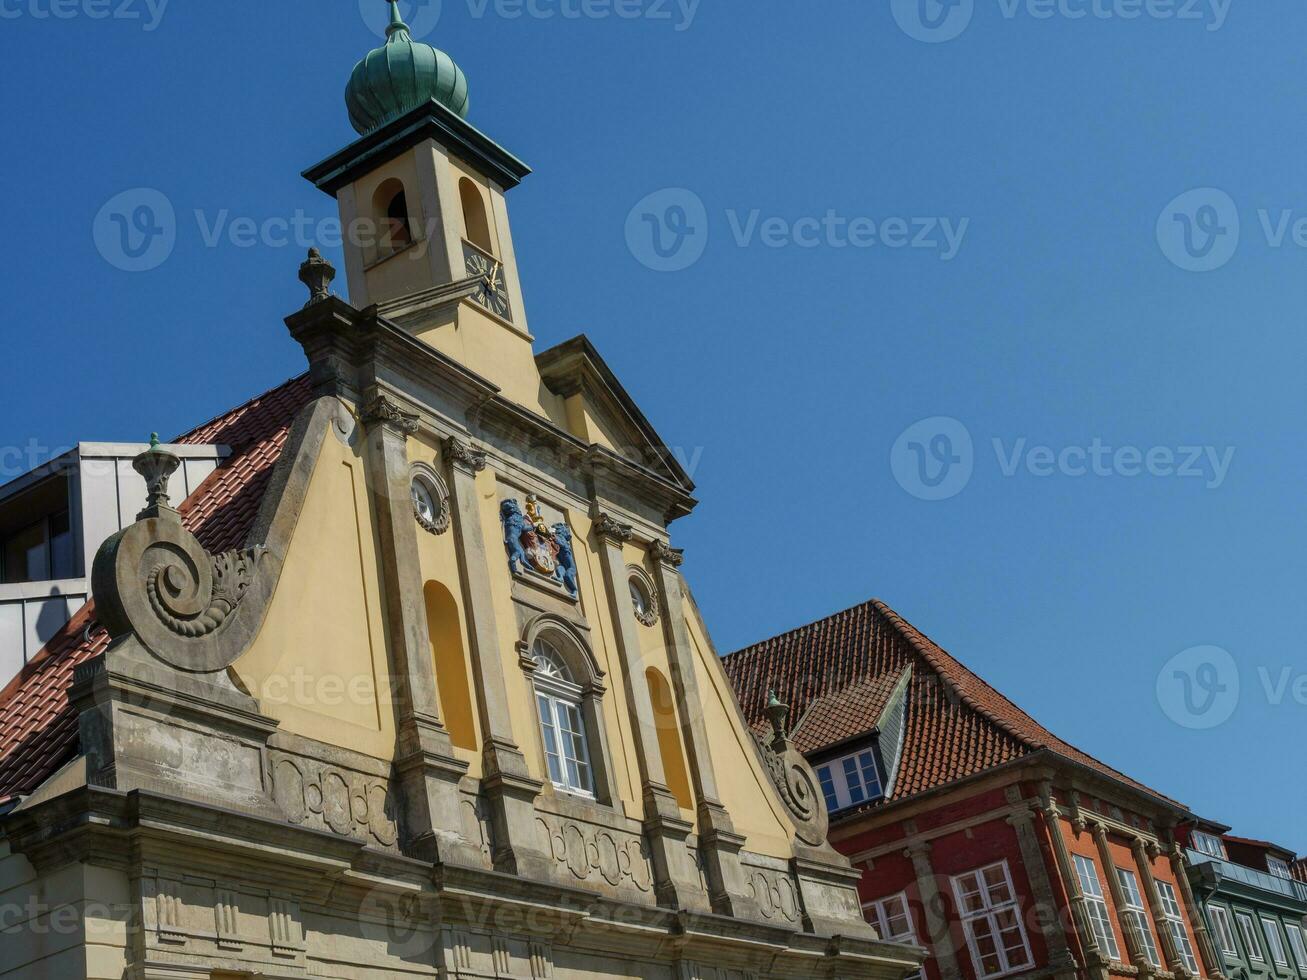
column 1297, row 945
column 827, row 779
column 1273, row 942
column 1224, row 933
column 1250, row 938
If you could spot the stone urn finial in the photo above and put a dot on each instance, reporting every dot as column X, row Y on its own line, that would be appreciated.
column 156, row 465
column 317, row 273
column 779, row 713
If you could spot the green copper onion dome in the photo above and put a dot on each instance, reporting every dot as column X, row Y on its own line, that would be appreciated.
column 401, row 75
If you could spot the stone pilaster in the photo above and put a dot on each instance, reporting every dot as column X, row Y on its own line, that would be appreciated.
column 1206, row 947
column 507, row 782
column 1145, row 852
column 1096, row 963
column 1134, row 942
column 940, row 937
column 1050, row 921
column 719, row 844
column 675, row 877
column 428, row 770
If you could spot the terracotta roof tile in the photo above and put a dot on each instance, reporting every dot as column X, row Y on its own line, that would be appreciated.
column 38, row 728
column 842, row 715
column 957, row 725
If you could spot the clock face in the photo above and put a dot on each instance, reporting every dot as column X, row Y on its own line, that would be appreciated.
column 492, row 291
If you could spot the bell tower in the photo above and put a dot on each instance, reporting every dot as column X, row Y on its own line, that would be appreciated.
column 422, row 206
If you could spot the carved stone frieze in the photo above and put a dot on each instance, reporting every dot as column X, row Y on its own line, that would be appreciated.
column 775, row 893
column 325, row 797
column 597, row 854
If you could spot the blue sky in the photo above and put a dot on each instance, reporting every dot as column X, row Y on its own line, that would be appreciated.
column 798, row 358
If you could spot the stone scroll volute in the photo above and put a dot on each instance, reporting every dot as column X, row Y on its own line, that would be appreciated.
column 794, row 779
column 195, row 611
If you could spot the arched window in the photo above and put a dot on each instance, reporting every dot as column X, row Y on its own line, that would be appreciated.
column 562, row 721
column 474, row 216
column 390, row 209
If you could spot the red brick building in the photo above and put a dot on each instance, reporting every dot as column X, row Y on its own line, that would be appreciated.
column 1002, row 849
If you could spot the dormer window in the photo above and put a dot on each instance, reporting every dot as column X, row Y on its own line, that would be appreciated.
column 1209, row 844
column 1278, row 867
column 850, row 780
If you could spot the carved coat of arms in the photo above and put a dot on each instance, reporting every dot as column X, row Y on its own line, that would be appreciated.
column 535, row 546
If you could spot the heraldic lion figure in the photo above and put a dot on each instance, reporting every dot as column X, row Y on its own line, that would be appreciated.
column 566, row 570
column 515, row 526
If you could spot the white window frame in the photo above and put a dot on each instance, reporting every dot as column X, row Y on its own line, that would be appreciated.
column 560, row 702
column 837, row 782
column 1279, row 867
column 1248, row 928
column 1134, row 907
column 990, row 913
column 1209, row 844
column 1091, row 886
column 1297, row 944
column 878, row 913
column 1274, row 944
column 1224, row 929
column 1175, row 921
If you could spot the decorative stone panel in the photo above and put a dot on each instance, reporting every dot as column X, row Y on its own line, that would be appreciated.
column 775, row 893
column 597, row 855
column 335, row 798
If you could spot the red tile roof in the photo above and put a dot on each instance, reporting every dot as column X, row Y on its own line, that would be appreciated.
column 956, row 726
column 38, row 727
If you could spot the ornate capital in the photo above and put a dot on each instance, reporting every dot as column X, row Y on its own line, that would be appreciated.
column 464, row 456
column 382, row 411
column 666, row 554
column 608, row 527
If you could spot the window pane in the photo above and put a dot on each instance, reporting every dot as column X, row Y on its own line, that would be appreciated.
column 828, row 788
column 62, row 562
column 1297, row 945
column 1224, row 934
column 1273, row 942
column 853, row 781
column 996, row 885
column 1250, row 938
column 550, row 738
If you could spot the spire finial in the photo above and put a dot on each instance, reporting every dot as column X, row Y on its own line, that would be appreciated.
column 396, row 20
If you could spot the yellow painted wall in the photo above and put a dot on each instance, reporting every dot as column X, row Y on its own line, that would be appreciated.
column 319, row 665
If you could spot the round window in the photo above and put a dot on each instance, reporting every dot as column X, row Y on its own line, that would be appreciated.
column 429, row 504
column 642, row 598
